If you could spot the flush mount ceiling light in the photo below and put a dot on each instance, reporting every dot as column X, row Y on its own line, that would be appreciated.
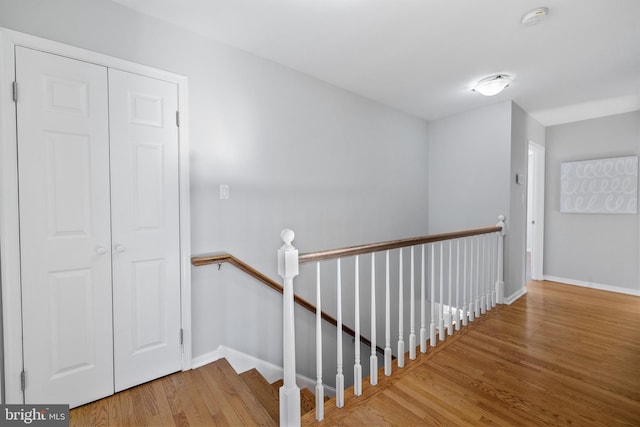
column 493, row 85
column 535, row 16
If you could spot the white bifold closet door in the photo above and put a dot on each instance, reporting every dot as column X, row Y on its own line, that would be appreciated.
column 65, row 230
column 145, row 221
column 98, row 202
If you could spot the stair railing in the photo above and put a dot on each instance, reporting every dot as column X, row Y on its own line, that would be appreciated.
column 473, row 261
column 225, row 258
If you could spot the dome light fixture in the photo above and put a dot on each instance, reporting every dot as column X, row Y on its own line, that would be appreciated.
column 535, row 16
column 493, row 85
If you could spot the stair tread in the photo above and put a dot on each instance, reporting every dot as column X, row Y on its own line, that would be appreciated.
column 263, row 391
column 243, row 408
column 307, row 398
column 277, row 384
column 307, row 401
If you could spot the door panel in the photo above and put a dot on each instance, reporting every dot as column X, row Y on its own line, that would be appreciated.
column 65, row 238
column 148, row 328
column 72, row 328
column 145, row 217
column 68, row 186
column 148, row 178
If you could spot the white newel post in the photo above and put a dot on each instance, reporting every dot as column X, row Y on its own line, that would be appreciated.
column 289, row 392
column 500, row 260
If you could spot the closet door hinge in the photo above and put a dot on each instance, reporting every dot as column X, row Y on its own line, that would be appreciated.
column 14, row 91
column 178, row 118
column 23, row 380
column 181, row 336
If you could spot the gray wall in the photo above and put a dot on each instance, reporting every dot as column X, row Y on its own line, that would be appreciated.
column 523, row 129
column 337, row 168
column 473, row 160
column 469, row 160
column 591, row 248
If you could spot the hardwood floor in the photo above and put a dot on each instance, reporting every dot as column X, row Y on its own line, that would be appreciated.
column 561, row 355
column 213, row 395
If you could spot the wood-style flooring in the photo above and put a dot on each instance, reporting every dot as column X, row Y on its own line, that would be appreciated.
column 560, row 355
column 213, row 395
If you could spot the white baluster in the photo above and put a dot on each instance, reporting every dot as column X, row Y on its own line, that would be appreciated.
column 477, row 303
column 450, row 309
column 489, row 271
column 357, row 368
column 412, row 311
column 494, row 294
column 500, row 261
column 373, row 360
column 339, row 374
column 289, row 392
column 472, row 313
column 432, row 329
column 387, row 319
column 487, row 282
column 465, row 312
column 458, row 322
column 400, row 314
column 483, row 281
column 319, row 385
column 423, row 315
column 441, row 314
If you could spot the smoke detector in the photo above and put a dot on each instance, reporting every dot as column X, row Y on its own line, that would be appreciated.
column 535, row 16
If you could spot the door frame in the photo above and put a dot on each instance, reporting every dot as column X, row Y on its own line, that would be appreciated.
column 537, row 177
column 10, row 280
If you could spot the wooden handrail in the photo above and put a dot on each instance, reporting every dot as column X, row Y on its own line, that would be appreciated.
column 392, row 244
column 221, row 258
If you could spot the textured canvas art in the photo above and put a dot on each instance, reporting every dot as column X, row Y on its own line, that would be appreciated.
column 600, row 186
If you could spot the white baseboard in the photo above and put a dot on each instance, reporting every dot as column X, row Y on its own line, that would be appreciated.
column 205, row 359
column 600, row 286
column 242, row 362
column 515, row 296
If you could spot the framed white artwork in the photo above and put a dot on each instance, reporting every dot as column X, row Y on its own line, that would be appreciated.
column 600, row 186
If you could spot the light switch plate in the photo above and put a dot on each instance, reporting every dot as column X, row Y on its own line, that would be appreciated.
column 224, row 191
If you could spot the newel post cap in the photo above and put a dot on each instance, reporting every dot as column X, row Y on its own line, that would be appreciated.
column 287, row 235
column 287, row 256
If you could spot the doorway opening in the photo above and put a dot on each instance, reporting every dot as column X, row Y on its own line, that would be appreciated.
column 535, row 212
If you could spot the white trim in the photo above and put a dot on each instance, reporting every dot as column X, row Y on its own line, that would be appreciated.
column 242, row 362
column 592, row 285
column 587, row 110
column 185, row 222
column 537, row 249
column 9, row 218
column 205, row 359
column 515, row 296
column 9, row 235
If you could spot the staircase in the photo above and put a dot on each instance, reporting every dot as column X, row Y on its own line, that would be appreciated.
column 264, row 396
column 474, row 285
column 215, row 394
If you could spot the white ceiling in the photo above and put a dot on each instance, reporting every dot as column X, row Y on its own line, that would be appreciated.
column 423, row 56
